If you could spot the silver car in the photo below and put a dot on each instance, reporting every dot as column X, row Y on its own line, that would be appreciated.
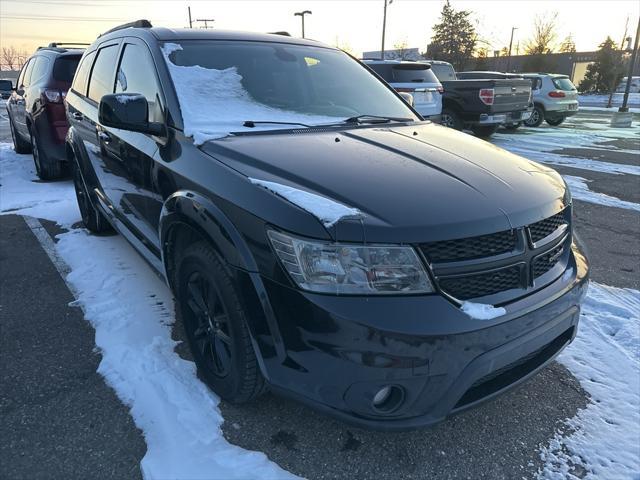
column 414, row 78
column 554, row 98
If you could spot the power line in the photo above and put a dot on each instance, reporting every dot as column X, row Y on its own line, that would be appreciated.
column 62, row 19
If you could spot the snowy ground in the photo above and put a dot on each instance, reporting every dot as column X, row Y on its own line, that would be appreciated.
column 132, row 313
column 600, row 102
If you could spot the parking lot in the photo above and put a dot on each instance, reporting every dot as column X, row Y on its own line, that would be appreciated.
column 511, row 437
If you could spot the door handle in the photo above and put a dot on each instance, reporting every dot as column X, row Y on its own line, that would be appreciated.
column 104, row 137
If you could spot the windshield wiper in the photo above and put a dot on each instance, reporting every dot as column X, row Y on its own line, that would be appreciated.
column 376, row 119
column 253, row 123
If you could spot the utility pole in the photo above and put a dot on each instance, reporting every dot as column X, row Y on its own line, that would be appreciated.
column 384, row 26
column 301, row 15
column 190, row 22
column 513, row 29
column 206, row 22
column 632, row 64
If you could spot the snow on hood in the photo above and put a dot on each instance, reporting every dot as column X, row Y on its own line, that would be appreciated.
column 328, row 211
column 214, row 103
column 480, row 311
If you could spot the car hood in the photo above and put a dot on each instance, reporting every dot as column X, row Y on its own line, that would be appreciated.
column 413, row 183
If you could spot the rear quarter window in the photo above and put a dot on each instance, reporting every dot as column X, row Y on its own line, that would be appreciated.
column 65, row 67
column 40, row 69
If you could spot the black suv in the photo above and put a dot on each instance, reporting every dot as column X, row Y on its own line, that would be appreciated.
column 319, row 238
column 36, row 111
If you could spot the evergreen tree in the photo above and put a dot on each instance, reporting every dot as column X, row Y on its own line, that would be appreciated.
column 604, row 74
column 454, row 37
column 568, row 45
column 482, row 56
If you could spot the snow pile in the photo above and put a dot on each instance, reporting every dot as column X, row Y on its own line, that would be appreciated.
column 580, row 191
column 214, row 103
column 21, row 192
column 480, row 311
column 324, row 209
column 131, row 311
column 605, row 357
column 600, row 102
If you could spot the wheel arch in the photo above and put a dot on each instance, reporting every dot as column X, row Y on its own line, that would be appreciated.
column 188, row 217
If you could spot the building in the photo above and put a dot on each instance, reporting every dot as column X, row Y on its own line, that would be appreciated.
column 394, row 54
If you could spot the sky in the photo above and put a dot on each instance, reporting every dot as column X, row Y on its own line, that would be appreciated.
column 352, row 24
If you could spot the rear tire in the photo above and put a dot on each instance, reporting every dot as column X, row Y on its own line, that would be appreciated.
column 19, row 145
column 555, row 121
column 536, row 118
column 213, row 318
column 46, row 167
column 92, row 218
column 451, row 119
column 484, row 131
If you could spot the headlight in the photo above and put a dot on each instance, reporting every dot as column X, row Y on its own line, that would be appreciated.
column 349, row 269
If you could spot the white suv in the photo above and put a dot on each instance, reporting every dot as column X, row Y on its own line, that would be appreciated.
column 414, row 78
column 554, row 98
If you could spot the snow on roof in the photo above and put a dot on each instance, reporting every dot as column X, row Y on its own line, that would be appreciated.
column 328, row 211
column 214, row 103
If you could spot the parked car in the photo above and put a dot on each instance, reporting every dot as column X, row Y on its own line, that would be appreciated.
column 318, row 236
column 634, row 88
column 478, row 74
column 554, row 98
column 36, row 110
column 481, row 105
column 414, row 78
column 6, row 87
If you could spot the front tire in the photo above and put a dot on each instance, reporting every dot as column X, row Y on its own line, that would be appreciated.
column 213, row 318
column 484, row 131
column 536, row 118
column 46, row 167
column 555, row 121
column 92, row 218
column 451, row 119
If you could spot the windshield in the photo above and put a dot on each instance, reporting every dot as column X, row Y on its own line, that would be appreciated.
column 443, row 71
column 563, row 83
column 221, row 85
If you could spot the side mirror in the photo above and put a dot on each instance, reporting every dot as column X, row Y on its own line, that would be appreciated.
column 407, row 97
column 128, row 111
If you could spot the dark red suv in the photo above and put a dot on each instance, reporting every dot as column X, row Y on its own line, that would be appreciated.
column 36, row 109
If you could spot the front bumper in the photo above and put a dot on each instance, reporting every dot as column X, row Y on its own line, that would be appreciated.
column 340, row 351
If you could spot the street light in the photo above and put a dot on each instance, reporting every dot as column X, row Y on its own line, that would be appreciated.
column 301, row 15
column 513, row 29
column 384, row 26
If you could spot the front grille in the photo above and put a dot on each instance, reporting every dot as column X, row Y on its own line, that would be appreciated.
column 470, row 248
column 487, row 283
column 506, row 261
column 546, row 227
column 546, row 262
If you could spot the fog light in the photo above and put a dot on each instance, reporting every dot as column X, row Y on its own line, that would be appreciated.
column 382, row 396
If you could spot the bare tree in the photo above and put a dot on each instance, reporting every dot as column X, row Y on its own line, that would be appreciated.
column 544, row 35
column 11, row 58
column 401, row 49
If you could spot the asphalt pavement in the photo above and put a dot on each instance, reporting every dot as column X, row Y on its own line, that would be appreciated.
column 58, row 416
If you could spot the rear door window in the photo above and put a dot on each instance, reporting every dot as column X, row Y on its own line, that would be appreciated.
column 563, row 83
column 82, row 75
column 64, row 68
column 103, row 73
column 26, row 80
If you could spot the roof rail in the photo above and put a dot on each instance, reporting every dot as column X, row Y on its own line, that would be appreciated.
column 286, row 34
column 57, row 44
column 137, row 24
